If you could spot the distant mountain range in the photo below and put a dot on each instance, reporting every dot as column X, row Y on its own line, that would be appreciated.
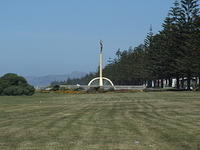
column 46, row 80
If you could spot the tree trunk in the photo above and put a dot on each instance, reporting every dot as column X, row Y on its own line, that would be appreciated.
column 149, row 84
column 162, row 83
column 199, row 82
column 196, row 82
column 170, row 82
column 158, row 83
column 177, row 83
column 182, row 82
column 154, row 81
column 188, row 82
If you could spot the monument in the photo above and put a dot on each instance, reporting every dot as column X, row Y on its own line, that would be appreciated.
column 101, row 78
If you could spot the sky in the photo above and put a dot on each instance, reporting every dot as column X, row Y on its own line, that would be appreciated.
column 42, row 37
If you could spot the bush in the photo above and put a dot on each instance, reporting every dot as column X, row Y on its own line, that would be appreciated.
column 97, row 89
column 13, row 90
column 12, row 84
column 197, row 88
column 1, row 90
column 29, row 90
column 93, row 89
column 55, row 88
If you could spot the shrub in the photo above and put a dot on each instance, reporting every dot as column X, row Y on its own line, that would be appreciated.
column 55, row 88
column 12, row 84
column 1, row 90
column 13, row 90
column 29, row 90
column 97, row 89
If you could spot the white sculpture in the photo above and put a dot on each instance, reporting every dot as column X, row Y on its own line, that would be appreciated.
column 101, row 78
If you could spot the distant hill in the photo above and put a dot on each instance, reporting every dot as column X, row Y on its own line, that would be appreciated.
column 46, row 80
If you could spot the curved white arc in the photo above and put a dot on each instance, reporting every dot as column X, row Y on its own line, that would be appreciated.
column 93, row 81
column 108, row 81
column 98, row 78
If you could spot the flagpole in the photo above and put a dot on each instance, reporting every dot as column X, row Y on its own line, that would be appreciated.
column 101, row 65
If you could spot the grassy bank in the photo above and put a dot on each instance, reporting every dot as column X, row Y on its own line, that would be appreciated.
column 121, row 121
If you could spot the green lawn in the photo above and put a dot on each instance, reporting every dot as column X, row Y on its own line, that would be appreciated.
column 121, row 121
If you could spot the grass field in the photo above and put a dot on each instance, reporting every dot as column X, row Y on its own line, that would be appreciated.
column 121, row 121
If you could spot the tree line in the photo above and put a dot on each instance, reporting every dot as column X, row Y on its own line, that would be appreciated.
column 174, row 52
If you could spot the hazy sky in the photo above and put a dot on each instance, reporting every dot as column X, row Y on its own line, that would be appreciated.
column 40, row 37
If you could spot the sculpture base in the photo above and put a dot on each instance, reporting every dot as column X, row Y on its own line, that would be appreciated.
column 99, row 89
